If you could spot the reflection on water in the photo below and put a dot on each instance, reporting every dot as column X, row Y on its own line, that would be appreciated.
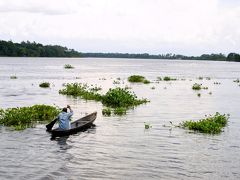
column 62, row 142
column 120, row 147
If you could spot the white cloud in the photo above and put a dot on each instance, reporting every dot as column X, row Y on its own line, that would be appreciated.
column 154, row 26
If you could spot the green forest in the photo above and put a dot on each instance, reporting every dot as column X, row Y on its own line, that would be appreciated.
column 33, row 49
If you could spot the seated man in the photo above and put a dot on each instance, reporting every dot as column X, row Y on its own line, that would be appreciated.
column 64, row 118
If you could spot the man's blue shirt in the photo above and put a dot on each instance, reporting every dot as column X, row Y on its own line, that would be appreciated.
column 64, row 120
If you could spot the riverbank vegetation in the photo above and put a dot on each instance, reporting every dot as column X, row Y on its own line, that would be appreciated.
column 33, row 49
column 23, row 117
column 211, row 124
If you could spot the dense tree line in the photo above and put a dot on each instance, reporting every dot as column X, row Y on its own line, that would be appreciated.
column 233, row 57
column 28, row 49
column 218, row 57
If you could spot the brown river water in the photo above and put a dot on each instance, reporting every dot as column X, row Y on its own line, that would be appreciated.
column 120, row 147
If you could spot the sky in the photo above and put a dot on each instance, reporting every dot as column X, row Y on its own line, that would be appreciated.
column 188, row 27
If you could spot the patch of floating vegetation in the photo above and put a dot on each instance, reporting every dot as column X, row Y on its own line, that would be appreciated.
column 217, row 83
column 106, row 111
column 13, row 77
column 120, row 111
column 200, row 78
column 153, row 88
column 68, row 66
column 237, row 81
column 138, row 79
column 199, row 94
column 24, row 117
column 146, row 81
column 211, row 124
column 81, row 90
column 147, row 125
column 116, row 82
column 197, row 87
column 118, row 98
column 44, row 85
column 167, row 78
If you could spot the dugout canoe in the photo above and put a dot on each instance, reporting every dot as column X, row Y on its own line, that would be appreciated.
column 79, row 125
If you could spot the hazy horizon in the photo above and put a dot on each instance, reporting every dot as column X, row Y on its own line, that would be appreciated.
column 187, row 27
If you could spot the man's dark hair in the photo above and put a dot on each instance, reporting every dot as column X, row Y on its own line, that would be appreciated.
column 64, row 109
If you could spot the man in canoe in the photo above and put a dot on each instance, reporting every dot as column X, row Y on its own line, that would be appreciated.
column 64, row 118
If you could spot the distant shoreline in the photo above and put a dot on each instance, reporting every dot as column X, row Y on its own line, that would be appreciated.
column 33, row 49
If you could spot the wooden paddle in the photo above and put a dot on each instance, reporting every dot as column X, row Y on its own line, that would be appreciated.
column 51, row 124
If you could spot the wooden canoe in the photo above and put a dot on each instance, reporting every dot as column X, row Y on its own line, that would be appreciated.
column 79, row 125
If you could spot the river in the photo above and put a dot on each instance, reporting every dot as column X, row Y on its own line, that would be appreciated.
column 120, row 147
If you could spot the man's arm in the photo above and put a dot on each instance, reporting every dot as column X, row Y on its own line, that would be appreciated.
column 71, row 111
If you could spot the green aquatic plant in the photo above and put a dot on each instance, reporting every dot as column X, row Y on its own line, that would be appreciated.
column 81, row 90
column 167, row 78
column 116, row 82
column 106, row 112
column 147, row 125
column 146, row 81
column 13, row 77
column 236, row 81
column 197, row 86
column 23, row 117
column 44, row 84
column 199, row 94
column 210, row 125
column 120, row 111
column 68, row 66
column 120, row 97
column 136, row 78
column 159, row 79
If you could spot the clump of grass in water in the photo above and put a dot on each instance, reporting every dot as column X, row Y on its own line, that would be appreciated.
column 81, row 90
column 44, row 85
column 120, row 111
column 13, row 77
column 68, row 66
column 196, row 86
column 120, row 97
column 147, row 125
column 106, row 112
column 236, row 81
column 167, row 78
column 115, row 98
column 210, row 125
column 138, row 79
column 23, row 117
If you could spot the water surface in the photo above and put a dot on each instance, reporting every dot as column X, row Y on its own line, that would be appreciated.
column 120, row 147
